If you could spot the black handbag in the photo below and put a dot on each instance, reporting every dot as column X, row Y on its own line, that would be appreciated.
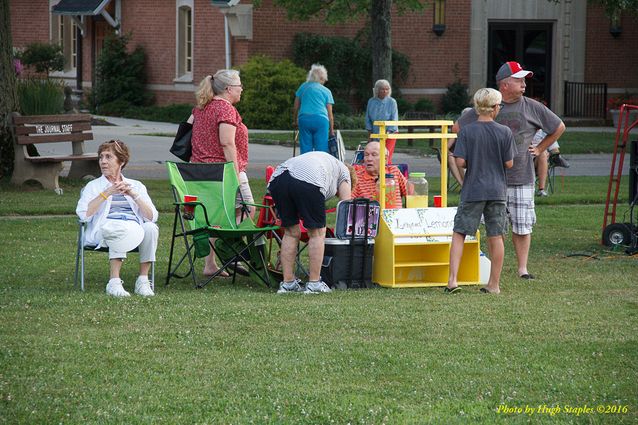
column 182, row 144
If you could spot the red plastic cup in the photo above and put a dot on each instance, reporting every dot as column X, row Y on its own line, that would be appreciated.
column 437, row 201
column 189, row 210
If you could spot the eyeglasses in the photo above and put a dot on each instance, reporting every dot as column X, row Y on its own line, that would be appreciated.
column 235, row 85
column 501, row 105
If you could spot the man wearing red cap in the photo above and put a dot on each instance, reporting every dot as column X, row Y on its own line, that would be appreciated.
column 524, row 116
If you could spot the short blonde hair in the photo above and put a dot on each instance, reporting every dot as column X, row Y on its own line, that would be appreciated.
column 317, row 73
column 486, row 99
column 214, row 85
column 378, row 85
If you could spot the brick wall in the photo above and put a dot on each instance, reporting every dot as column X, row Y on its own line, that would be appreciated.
column 153, row 25
column 608, row 59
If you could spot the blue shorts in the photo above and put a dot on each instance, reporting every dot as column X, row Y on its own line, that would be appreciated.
column 296, row 199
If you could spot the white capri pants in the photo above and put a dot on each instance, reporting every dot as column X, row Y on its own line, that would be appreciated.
column 147, row 247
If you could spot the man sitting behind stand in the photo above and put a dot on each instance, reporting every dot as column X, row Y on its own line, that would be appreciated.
column 368, row 175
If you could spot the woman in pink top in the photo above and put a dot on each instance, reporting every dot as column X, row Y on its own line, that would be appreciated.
column 219, row 135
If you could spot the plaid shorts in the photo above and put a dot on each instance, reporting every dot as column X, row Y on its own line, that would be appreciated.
column 520, row 206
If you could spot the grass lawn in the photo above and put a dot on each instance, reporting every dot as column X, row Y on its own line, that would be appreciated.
column 241, row 354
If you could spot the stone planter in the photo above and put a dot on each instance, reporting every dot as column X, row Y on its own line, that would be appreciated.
column 615, row 114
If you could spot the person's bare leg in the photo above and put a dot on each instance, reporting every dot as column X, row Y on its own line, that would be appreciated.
column 456, row 252
column 522, row 244
column 541, row 170
column 145, row 268
column 288, row 254
column 210, row 265
column 496, row 249
column 115, row 267
column 315, row 253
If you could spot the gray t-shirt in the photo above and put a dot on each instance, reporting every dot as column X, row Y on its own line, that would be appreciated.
column 485, row 146
column 524, row 118
column 317, row 168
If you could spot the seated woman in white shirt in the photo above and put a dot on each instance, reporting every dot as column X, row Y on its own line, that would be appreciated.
column 121, row 216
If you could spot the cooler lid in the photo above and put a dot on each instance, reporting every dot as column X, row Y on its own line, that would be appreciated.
column 356, row 210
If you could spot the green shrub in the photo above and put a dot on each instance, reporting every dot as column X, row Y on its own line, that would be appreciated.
column 120, row 75
column 403, row 105
column 43, row 57
column 349, row 64
column 349, row 121
column 455, row 98
column 424, row 105
column 341, row 106
column 41, row 97
column 269, row 92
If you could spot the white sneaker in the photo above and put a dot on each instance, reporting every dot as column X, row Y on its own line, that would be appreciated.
column 542, row 192
column 317, row 287
column 294, row 286
column 143, row 287
column 115, row 288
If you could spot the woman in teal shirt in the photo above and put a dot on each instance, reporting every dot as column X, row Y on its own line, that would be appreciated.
column 313, row 111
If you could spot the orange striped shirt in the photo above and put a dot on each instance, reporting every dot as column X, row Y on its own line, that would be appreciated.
column 367, row 184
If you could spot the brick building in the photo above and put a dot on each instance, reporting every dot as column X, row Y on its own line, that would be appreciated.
column 185, row 40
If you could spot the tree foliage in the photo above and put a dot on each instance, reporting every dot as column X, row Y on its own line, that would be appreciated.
column 43, row 57
column 336, row 11
column 269, row 92
column 121, row 74
column 348, row 63
column 376, row 11
column 612, row 7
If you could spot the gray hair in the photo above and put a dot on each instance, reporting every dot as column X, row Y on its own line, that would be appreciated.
column 486, row 99
column 378, row 85
column 212, row 85
column 224, row 78
column 317, row 73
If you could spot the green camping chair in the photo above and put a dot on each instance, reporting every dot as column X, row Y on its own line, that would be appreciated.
column 216, row 186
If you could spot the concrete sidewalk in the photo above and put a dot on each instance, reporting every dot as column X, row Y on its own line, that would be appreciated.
column 149, row 153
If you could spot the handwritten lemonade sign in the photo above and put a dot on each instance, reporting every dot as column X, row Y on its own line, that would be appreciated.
column 429, row 224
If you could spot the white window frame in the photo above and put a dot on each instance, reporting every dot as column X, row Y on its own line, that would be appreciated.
column 182, row 41
column 64, row 32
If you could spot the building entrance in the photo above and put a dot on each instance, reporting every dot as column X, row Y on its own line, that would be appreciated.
column 528, row 43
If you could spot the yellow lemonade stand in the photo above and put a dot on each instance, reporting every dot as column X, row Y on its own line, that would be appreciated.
column 412, row 247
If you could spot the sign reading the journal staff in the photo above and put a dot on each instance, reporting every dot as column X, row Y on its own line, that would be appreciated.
column 430, row 224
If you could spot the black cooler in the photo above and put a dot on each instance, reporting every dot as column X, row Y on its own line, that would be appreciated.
column 347, row 261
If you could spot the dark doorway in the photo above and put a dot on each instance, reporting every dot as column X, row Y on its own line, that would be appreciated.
column 528, row 43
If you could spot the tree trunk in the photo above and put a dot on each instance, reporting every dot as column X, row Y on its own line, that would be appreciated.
column 381, row 39
column 8, row 92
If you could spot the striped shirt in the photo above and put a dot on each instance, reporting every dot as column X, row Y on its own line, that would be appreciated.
column 121, row 209
column 317, row 168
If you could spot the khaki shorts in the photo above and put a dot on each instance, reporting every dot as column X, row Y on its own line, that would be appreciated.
column 468, row 217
